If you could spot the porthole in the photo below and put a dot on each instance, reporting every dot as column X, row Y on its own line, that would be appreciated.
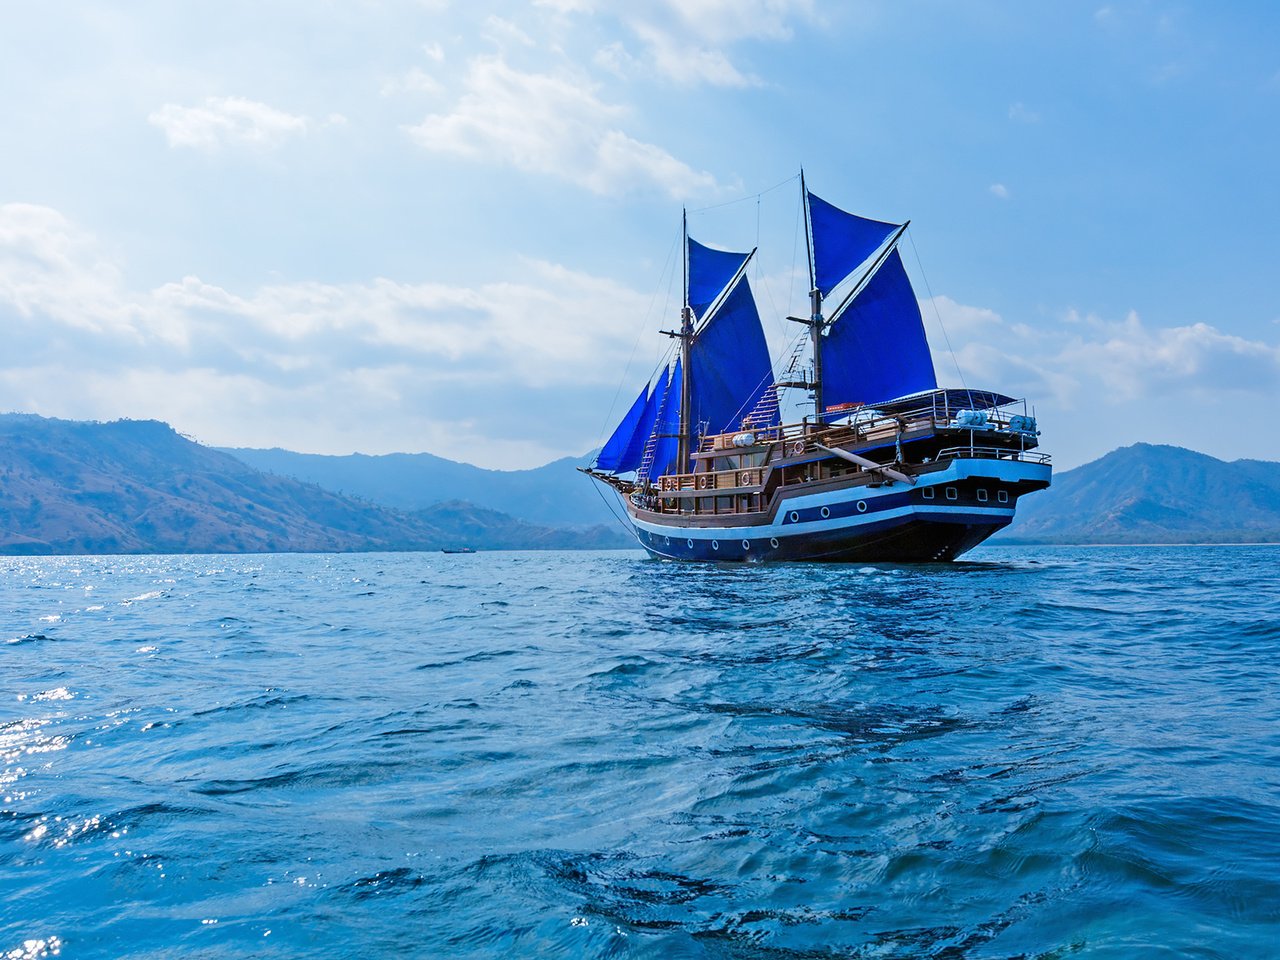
column 825, row 513
column 927, row 493
column 668, row 541
column 982, row 496
column 952, row 494
column 690, row 544
column 795, row 517
column 715, row 544
column 1002, row 496
column 862, row 506
column 773, row 542
column 746, row 544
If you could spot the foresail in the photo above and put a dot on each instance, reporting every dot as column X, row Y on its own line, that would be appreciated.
column 877, row 349
column 667, row 427
column 613, row 453
column 729, row 364
column 841, row 241
column 709, row 273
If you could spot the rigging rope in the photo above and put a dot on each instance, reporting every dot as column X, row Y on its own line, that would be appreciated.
column 934, row 302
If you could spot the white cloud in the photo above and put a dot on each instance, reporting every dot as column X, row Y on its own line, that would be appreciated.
column 1133, row 360
column 553, row 125
column 615, row 59
column 503, row 32
column 1021, row 113
column 372, row 365
column 1083, row 358
column 689, row 64
column 221, row 121
column 726, row 21
column 999, row 190
column 414, row 81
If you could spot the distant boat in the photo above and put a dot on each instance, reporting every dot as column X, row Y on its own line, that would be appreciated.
column 888, row 466
column 458, row 550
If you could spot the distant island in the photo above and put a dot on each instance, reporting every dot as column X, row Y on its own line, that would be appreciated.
column 132, row 486
column 69, row 487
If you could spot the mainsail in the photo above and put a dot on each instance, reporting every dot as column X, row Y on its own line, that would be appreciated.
column 874, row 347
column 709, row 273
column 841, row 241
column 876, row 350
column 730, row 365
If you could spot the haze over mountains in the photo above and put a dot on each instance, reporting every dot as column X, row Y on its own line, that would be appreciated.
column 139, row 487
column 1154, row 494
column 554, row 494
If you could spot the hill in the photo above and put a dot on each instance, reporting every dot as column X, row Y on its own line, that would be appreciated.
column 139, row 487
column 1154, row 494
column 554, row 494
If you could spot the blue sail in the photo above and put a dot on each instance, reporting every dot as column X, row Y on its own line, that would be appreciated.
column 876, row 349
column 709, row 273
column 667, row 427
column 841, row 241
column 614, row 451
column 644, row 429
column 729, row 364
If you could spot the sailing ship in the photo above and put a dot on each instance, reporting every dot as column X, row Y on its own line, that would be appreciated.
column 887, row 467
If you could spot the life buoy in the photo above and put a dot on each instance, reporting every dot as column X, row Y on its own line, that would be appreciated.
column 797, row 448
column 703, row 482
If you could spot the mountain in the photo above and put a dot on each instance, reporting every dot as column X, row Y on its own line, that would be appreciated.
column 554, row 494
column 139, row 487
column 1154, row 494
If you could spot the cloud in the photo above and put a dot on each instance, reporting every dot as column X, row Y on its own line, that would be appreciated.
column 1079, row 358
column 553, row 125
column 334, row 367
column 690, row 64
column 223, row 121
column 999, row 190
column 1021, row 113
column 503, row 32
column 1133, row 360
column 727, row 21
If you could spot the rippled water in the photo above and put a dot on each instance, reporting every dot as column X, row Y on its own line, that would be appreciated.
column 1043, row 752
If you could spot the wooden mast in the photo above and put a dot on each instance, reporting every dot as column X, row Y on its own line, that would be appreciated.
column 686, row 340
column 815, row 321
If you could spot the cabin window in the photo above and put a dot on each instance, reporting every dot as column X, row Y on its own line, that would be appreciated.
column 727, row 463
column 1002, row 496
column 982, row 496
column 952, row 494
column 755, row 459
column 704, row 504
column 927, row 493
column 724, row 504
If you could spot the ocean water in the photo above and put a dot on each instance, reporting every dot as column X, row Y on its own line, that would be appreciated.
column 1036, row 752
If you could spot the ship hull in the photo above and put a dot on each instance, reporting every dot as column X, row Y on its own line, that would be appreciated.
column 944, row 515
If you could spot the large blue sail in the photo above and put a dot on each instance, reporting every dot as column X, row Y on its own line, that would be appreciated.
column 729, row 364
column 625, row 449
column 614, row 451
column 667, row 427
column 876, row 350
column 709, row 273
column 841, row 241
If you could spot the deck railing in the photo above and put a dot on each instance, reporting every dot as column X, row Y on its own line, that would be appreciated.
column 992, row 453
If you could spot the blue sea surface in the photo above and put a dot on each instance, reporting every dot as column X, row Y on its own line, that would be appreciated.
column 1035, row 752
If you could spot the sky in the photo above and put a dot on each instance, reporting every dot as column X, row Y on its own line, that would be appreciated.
column 452, row 227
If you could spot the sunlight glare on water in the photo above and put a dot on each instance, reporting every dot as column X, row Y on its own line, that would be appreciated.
column 1035, row 752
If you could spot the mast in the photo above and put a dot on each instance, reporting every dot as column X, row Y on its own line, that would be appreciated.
column 686, row 340
column 815, row 323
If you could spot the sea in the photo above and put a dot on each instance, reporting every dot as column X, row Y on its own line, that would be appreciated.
column 1035, row 752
